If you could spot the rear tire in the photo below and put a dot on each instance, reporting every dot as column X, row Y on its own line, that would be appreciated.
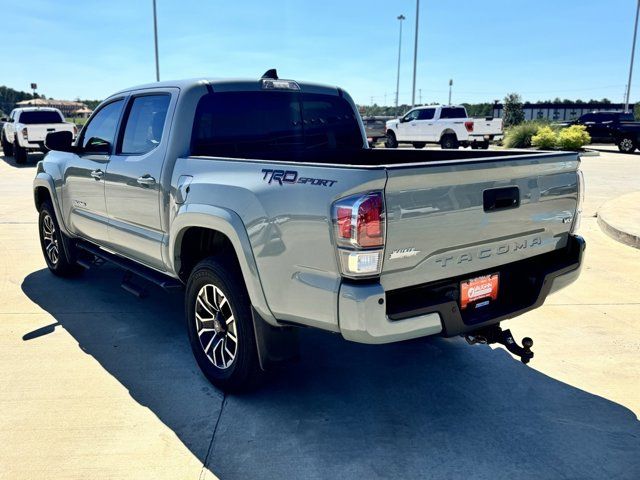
column 220, row 326
column 419, row 145
column 484, row 145
column 19, row 153
column 52, row 244
column 391, row 141
column 7, row 148
column 449, row 142
column 627, row 145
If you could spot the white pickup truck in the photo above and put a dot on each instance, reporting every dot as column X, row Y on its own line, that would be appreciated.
column 26, row 129
column 447, row 125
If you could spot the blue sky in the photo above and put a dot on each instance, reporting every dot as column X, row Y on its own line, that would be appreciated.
column 541, row 49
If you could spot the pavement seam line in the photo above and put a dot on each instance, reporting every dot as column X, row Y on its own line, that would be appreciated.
column 213, row 437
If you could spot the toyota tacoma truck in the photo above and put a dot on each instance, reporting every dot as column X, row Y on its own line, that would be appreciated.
column 263, row 201
column 26, row 129
column 447, row 125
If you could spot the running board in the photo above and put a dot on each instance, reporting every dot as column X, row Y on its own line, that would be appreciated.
column 163, row 281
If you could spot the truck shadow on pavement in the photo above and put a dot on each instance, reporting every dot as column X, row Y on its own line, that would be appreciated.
column 31, row 162
column 428, row 408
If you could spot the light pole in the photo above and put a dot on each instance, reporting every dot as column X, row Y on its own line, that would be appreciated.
column 415, row 56
column 155, row 38
column 450, row 85
column 401, row 18
column 633, row 52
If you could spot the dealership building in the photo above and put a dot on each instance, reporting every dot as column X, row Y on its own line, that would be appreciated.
column 560, row 111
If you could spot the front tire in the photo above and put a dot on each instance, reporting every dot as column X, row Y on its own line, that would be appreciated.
column 391, row 141
column 51, row 241
column 449, row 142
column 19, row 153
column 627, row 145
column 220, row 326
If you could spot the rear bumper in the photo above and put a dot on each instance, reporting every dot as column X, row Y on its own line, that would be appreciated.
column 368, row 314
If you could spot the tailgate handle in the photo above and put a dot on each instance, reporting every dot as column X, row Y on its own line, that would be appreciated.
column 501, row 199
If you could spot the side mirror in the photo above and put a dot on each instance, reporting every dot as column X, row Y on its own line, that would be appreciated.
column 4, row 119
column 402, row 120
column 59, row 141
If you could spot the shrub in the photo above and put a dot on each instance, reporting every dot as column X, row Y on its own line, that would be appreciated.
column 513, row 113
column 545, row 139
column 573, row 138
column 520, row 135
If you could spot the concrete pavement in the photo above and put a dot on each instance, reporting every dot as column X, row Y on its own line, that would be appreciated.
column 99, row 384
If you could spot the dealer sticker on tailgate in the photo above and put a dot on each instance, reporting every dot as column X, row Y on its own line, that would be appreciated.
column 476, row 290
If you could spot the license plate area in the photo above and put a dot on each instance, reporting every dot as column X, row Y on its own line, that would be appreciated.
column 479, row 292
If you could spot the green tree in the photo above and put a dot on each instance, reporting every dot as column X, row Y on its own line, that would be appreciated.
column 636, row 111
column 513, row 113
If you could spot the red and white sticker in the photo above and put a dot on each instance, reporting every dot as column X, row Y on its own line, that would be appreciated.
column 477, row 289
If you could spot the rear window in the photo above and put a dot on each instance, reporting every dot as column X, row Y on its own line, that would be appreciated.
column 453, row 112
column 261, row 124
column 626, row 117
column 43, row 116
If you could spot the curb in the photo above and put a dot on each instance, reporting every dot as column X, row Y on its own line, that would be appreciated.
column 612, row 228
column 589, row 153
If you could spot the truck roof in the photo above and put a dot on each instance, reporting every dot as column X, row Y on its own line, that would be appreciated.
column 229, row 84
column 36, row 109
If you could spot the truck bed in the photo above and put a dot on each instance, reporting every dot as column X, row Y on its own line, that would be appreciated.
column 391, row 157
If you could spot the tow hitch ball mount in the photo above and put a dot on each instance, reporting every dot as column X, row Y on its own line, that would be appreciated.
column 495, row 334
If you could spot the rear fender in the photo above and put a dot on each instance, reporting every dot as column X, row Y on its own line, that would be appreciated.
column 230, row 224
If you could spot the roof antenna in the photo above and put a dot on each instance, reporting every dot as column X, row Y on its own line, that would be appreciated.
column 272, row 74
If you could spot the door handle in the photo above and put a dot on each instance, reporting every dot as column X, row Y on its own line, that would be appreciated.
column 146, row 180
column 97, row 174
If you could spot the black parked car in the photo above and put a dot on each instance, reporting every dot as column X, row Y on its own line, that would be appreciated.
column 601, row 125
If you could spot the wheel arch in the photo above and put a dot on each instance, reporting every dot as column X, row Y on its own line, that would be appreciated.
column 199, row 231
column 448, row 131
column 44, row 189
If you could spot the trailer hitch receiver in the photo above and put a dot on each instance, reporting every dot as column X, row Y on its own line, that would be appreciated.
column 495, row 334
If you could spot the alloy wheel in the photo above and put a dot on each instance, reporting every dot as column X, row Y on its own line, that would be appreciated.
column 626, row 144
column 50, row 241
column 216, row 326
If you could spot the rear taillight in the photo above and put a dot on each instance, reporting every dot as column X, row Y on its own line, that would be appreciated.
column 25, row 133
column 468, row 126
column 359, row 229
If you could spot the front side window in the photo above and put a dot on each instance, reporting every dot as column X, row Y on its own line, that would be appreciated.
column 99, row 133
column 37, row 117
column 412, row 115
column 145, row 124
column 263, row 124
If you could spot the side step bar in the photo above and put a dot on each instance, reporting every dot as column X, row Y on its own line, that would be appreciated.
column 157, row 278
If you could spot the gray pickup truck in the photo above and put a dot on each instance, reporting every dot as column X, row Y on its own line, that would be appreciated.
column 262, row 200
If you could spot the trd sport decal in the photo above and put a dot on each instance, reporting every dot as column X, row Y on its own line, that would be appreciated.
column 291, row 176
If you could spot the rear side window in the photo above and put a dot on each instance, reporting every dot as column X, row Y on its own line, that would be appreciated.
column 626, row 117
column 257, row 124
column 145, row 123
column 453, row 112
column 39, row 117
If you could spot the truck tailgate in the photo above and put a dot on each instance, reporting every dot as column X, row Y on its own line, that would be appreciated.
column 483, row 126
column 454, row 218
column 38, row 132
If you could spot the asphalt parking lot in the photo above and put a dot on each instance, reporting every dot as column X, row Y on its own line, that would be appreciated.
column 100, row 384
